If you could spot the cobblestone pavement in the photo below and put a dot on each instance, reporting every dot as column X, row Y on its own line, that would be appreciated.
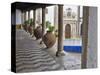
column 30, row 57
column 33, row 57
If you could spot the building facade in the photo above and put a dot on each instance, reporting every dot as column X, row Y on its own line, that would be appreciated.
column 71, row 22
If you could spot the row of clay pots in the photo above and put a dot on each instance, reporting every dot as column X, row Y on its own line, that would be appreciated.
column 28, row 28
column 49, row 38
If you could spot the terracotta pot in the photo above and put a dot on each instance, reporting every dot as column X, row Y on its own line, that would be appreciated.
column 38, row 32
column 30, row 30
column 49, row 39
column 25, row 27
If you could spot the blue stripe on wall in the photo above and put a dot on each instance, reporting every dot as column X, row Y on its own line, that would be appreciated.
column 77, row 49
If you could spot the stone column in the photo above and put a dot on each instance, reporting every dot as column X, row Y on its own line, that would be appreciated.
column 78, row 24
column 28, row 15
column 60, row 31
column 28, row 19
column 56, row 17
column 85, row 36
column 38, row 16
column 73, row 31
column 22, row 19
column 34, row 20
column 92, row 54
column 24, row 16
column 43, row 21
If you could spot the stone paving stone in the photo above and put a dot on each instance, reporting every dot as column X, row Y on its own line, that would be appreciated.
column 30, row 57
column 34, row 57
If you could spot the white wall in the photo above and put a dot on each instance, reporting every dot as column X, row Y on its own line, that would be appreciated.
column 50, row 15
column 18, row 17
column 92, row 38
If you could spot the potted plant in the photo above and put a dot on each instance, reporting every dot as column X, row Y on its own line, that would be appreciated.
column 25, row 25
column 49, row 38
column 38, row 32
column 30, row 22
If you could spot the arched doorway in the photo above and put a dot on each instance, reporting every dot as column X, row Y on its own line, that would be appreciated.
column 67, row 31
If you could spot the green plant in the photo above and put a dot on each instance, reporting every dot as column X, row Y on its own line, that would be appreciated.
column 48, row 24
column 26, row 22
column 51, row 28
column 30, row 21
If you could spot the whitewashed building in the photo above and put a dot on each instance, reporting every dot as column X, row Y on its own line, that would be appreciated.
column 71, row 20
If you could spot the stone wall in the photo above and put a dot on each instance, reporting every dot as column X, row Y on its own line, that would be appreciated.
column 92, row 38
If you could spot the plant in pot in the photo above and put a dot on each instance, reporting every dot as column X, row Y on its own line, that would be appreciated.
column 38, row 32
column 30, row 22
column 25, row 25
column 49, row 38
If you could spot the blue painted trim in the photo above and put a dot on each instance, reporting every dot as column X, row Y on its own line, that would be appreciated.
column 77, row 49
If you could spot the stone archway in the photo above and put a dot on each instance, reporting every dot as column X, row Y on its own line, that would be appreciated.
column 68, row 31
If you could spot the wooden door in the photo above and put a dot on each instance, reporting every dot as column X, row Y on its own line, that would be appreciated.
column 67, row 31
